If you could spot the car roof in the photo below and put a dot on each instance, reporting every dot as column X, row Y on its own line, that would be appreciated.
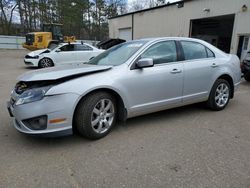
column 65, row 43
column 169, row 38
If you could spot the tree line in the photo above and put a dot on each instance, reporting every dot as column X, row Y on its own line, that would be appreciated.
column 85, row 19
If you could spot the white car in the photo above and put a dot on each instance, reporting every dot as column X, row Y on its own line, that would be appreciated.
column 64, row 53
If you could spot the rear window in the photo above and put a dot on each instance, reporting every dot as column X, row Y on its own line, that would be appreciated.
column 210, row 53
column 193, row 50
column 82, row 47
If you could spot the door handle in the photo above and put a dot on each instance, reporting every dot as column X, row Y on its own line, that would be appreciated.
column 175, row 71
column 214, row 65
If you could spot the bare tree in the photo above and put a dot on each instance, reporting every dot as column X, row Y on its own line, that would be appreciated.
column 7, row 9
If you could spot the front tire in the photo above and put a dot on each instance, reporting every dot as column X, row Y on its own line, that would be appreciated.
column 220, row 95
column 45, row 62
column 247, row 76
column 96, row 115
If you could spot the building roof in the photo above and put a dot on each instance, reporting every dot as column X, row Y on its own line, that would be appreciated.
column 148, row 9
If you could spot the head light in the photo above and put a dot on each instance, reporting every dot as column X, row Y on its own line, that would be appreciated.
column 32, row 95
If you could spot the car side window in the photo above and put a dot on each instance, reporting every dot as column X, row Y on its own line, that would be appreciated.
column 210, row 53
column 162, row 52
column 193, row 50
column 82, row 47
column 68, row 47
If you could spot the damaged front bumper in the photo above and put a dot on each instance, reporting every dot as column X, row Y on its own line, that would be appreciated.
column 51, row 116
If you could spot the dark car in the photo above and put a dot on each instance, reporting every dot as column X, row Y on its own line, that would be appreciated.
column 245, row 67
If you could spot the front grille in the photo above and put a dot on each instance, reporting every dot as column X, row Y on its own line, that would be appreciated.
column 28, row 63
column 31, row 57
column 28, row 57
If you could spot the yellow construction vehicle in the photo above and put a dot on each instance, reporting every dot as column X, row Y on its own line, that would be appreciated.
column 51, row 34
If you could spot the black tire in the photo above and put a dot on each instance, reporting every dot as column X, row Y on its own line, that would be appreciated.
column 45, row 62
column 247, row 77
column 211, row 103
column 85, row 112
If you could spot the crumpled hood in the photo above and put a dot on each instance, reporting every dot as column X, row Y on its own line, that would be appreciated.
column 56, row 73
column 37, row 52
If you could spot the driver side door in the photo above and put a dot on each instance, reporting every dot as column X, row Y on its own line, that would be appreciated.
column 66, row 55
column 159, row 87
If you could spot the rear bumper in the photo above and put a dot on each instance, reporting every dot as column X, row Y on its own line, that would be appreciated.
column 245, row 68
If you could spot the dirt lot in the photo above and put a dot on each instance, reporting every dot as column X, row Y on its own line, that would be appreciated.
column 184, row 147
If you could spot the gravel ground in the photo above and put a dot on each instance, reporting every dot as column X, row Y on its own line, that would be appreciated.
column 184, row 147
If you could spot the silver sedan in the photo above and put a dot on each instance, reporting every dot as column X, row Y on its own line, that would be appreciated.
column 128, row 80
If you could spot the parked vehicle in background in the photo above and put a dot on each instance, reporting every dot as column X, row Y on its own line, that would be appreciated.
column 50, row 35
column 64, row 53
column 108, row 43
column 245, row 67
column 127, row 80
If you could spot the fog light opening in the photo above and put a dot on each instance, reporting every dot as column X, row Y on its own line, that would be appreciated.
column 36, row 123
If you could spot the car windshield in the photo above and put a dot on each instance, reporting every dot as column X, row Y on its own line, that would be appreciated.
column 117, row 55
column 52, row 46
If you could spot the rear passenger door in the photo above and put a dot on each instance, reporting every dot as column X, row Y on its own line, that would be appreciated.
column 198, row 68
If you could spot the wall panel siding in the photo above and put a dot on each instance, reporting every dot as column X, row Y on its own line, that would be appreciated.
column 174, row 21
column 11, row 42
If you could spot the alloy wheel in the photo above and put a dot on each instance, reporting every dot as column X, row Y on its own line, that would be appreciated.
column 222, row 95
column 102, row 116
column 45, row 62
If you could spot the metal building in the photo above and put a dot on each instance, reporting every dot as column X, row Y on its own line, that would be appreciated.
column 223, row 23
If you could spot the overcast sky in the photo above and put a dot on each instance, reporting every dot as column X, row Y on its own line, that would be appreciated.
column 145, row 3
column 130, row 1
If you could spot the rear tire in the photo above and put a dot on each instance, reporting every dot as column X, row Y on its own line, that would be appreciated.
column 219, row 95
column 247, row 76
column 45, row 62
column 96, row 115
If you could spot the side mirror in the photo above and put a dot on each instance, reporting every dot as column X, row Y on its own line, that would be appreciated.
column 145, row 62
column 58, row 50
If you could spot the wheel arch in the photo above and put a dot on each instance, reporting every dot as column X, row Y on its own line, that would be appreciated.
column 228, row 78
column 47, row 58
column 121, row 107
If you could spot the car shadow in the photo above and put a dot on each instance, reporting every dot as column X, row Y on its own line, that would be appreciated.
column 164, row 116
column 30, row 68
column 147, row 120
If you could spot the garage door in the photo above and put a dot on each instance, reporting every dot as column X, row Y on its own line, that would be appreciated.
column 125, row 34
column 215, row 30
